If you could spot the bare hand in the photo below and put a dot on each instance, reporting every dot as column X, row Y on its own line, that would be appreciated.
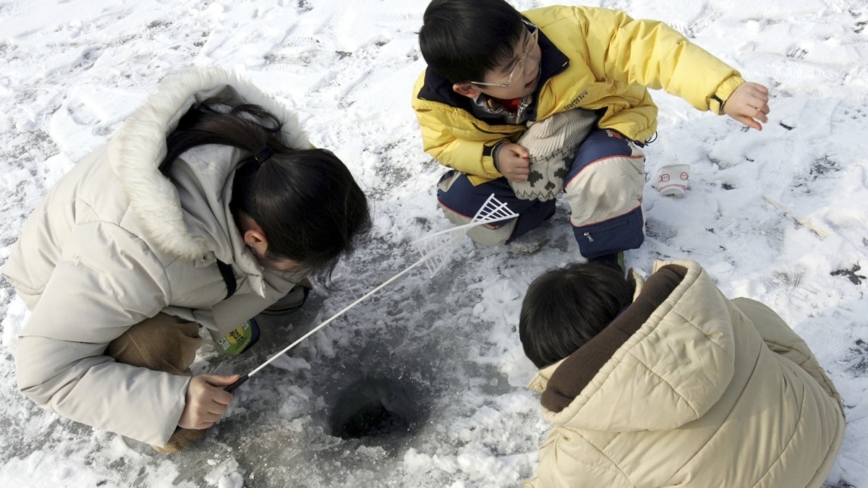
column 513, row 161
column 748, row 104
column 206, row 400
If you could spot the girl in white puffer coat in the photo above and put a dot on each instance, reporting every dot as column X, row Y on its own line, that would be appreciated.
column 207, row 207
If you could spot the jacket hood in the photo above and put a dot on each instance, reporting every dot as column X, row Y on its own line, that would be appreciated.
column 137, row 149
column 674, row 365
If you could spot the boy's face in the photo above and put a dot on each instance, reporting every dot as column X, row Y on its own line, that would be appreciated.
column 520, row 72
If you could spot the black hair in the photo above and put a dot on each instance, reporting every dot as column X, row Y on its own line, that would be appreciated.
column 566, row 307
column 307, row 203
column 462, row 39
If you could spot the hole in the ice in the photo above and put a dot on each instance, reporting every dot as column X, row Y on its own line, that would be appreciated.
column 373, row 407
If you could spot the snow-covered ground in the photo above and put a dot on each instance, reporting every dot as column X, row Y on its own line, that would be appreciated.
column 778, row 215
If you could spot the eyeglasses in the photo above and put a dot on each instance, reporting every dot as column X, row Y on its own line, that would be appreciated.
column 530, row 43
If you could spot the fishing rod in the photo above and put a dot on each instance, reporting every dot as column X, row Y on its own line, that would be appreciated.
column 434, row 249
column 246, row 377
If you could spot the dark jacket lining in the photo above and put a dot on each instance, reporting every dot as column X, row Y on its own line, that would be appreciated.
column 574, row 374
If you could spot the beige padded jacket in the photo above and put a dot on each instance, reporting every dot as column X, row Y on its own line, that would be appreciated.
column 115, row 242
column 702, row 392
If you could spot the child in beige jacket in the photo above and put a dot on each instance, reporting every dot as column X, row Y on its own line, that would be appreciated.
column 669, row 383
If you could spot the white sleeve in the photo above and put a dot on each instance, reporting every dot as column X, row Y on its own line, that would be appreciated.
column 106, row 282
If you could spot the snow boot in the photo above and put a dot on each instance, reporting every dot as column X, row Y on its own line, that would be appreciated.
column 181, row 439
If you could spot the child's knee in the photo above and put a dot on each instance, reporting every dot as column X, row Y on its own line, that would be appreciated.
column 611, row 236
column 605, row 184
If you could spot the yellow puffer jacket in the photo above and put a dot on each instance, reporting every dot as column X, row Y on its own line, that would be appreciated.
column 592, row 58
column 694, row 391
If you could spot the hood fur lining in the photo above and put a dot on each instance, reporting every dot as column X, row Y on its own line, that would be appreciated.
column 137, row 149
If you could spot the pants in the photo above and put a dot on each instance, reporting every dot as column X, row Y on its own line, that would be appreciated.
column 162, row 343
column 603, row 187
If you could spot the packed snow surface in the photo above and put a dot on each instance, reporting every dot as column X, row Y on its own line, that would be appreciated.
column 779, row 216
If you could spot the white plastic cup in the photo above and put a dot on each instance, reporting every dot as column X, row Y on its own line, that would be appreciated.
column 673, row 180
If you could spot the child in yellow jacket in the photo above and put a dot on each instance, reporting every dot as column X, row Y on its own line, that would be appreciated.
column 524, row 105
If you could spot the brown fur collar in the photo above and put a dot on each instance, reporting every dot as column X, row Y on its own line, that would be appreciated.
column 577, row 371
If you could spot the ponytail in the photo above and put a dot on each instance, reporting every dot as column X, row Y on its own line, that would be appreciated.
column 307, row 203
column 247, row 127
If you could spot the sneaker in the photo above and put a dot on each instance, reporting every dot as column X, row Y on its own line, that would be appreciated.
column 240, row 339
column 612, row 261
column 528, row 244
column 292, row 301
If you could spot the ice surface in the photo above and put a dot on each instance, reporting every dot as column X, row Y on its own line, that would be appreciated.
column 72, row 70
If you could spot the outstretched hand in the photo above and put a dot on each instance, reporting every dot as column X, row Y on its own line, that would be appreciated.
column 513, row 161
column 749, row 104
column 206, row 400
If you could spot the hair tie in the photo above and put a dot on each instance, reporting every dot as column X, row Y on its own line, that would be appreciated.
column 263, row 155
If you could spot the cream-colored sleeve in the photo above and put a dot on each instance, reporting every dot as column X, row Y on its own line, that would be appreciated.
column 106, row 282
column 782, row 340
column 568, row 460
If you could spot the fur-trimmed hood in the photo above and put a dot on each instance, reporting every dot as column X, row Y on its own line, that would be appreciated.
column 137, row 149
column 115, row 242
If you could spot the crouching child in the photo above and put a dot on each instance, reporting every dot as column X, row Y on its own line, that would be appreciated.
column 669, row 383
column 525, row 105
